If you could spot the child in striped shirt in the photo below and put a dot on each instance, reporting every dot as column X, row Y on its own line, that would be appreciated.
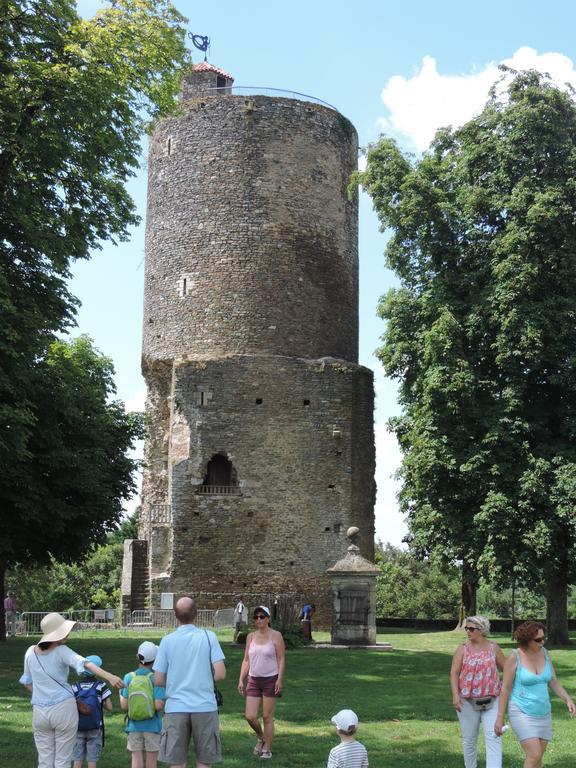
column 349, row 753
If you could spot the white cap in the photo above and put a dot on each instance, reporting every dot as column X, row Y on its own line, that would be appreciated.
column 147, row 651
column 345, row 719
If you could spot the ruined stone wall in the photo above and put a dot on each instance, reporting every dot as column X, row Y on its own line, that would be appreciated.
column 299, row 435
column 251, row 241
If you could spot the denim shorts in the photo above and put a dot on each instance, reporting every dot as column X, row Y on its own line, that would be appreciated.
column 88, row 745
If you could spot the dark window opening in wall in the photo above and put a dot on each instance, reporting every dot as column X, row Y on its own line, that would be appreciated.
column 258, row 401
column 169, row 145
column 203, row 396
column 327, row 528
column 291, row 562
column 220, row 82
column 220, row 478
column 305, row 402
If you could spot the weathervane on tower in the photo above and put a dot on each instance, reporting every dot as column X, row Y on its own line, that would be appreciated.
column 202, row 42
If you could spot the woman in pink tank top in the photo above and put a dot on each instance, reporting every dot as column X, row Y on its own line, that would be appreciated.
column 263, row 664
column 476, row 686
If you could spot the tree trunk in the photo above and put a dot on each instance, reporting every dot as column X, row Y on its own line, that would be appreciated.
column 469, row 587
column 557, row 609
column 2, row 596
column 513, row 610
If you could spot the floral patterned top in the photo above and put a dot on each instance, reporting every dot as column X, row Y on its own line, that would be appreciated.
column 479, row 674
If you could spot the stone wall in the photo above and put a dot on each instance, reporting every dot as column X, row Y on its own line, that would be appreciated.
column 251, row 241
column 298, row 434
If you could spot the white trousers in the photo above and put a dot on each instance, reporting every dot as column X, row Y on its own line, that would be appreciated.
column 470, row 720
column 55, row 731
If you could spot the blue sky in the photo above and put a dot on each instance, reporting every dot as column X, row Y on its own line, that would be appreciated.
column 398, row 68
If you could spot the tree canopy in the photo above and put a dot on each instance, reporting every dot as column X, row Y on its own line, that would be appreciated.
column 69, row 493
column 76, row 95
column 481, row 335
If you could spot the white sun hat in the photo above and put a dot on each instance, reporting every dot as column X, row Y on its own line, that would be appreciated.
column 55, row 627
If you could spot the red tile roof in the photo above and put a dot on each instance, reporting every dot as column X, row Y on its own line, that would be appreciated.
column 204, row 66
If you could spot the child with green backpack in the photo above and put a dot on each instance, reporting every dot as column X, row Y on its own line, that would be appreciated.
column 143, row 703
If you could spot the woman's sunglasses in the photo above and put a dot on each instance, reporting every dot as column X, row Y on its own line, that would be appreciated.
column 260, row 616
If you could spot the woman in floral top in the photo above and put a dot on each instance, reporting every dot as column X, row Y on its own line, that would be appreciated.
column 476, row 686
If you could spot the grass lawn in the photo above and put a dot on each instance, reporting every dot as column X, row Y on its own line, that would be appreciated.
column 402, row 698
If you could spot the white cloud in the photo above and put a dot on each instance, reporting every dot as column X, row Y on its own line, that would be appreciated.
column 428, row 100
column 390, row 525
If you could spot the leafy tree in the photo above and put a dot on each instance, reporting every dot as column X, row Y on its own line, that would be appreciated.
column 481, row 335
column 69, row 492
column 408, row 587
column 92, row 582
column 76, row 96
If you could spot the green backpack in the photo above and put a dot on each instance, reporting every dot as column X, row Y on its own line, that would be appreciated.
column 141, row 697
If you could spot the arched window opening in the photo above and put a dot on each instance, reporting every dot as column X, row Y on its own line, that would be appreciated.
column 220, row 478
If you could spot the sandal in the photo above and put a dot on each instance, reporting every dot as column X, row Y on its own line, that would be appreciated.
column 259, row 747
column 265, row 754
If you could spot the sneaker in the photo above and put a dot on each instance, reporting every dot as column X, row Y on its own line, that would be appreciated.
column 265, row 754
column 259, row 747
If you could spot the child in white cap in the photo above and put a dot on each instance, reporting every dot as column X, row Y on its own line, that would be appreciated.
column 143, row 703
column 349, row 753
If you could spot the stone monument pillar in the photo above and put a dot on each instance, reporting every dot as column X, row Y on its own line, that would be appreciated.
column 353, row 582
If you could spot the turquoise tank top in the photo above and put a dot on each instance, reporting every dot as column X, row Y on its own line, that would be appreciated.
column 530, row 691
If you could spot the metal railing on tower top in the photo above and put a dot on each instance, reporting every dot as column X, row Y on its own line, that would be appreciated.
column 255, row 90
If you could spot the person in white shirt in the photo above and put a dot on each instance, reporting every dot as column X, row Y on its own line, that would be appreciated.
column 54, row 710
column 349, row 753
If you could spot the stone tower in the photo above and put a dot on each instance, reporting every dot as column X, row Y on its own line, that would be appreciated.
column 260, row 452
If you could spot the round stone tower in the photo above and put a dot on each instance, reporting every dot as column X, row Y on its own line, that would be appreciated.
column 260, row 452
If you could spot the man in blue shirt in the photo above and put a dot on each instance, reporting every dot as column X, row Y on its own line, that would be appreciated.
column 189, row 660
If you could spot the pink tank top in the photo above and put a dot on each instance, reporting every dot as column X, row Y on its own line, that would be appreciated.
column 263, row 661
column 479, row 674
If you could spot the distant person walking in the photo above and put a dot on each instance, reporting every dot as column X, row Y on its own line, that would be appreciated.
column 475, row 684
column 10, row 613
column 189, row 660
column 263, row 664
column 240, row 614
column 528, row 674
column 54, row 710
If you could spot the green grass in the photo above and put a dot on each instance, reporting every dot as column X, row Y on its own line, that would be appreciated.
column 402, row 698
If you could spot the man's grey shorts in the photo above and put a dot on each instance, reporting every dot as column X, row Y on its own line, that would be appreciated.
column 88, row 745
column 179, row 727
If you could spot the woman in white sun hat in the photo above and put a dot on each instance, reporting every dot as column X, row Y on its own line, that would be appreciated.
column 54, row 710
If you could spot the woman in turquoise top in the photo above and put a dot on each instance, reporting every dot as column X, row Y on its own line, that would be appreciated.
column 527, row 674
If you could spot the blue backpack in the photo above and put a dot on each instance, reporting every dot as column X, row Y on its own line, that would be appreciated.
column 89, row 707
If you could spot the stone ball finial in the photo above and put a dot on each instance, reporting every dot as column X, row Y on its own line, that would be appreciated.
column 352, row 534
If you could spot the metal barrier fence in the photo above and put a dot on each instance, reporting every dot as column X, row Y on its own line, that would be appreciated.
column 224, row 617
column 28, row 623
